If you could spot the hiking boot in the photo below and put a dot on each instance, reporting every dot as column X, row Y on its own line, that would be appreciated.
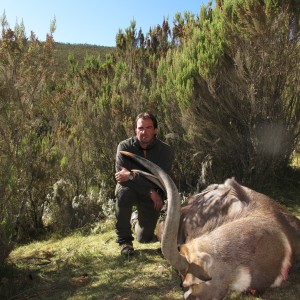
column 127, row 249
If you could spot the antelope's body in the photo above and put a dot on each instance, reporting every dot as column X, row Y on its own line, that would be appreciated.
column 237, row 256
column 230, row 238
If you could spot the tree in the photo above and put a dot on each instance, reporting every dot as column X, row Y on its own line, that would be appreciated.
column 236, row 83
column 25, row 136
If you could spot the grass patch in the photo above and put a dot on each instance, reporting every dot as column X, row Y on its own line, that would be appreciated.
column 89, row 267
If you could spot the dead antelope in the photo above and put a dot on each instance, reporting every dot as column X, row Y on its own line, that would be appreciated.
column 248, row 253
column 232, row 238
column 220, row 203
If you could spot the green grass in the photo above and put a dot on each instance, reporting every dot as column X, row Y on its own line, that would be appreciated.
column 82, row 266
column 89, row 266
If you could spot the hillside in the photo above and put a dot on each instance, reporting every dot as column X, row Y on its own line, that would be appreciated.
column 79, row 51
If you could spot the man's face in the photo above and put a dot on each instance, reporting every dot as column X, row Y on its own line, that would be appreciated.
column 145, row 131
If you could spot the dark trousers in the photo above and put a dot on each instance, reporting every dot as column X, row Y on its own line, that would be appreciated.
column 126, row 199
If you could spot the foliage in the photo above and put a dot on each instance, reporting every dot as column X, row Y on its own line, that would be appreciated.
column 26, row 144
column 65, row 212
column 223, row 85
column 5, row 244
column 35, row 133
column 236, row 83
column 78, row 52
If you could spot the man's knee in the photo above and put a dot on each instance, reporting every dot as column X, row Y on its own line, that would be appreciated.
column 142, row 234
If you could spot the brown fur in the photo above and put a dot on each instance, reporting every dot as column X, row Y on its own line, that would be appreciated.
column 211, row 208
column 239, row 229
column 259, row 247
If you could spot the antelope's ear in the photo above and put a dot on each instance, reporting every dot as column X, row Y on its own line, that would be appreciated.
column 199, row 272
column 190, row 280
column 198, row 268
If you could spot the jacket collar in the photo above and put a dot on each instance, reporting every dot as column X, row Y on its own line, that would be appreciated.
column 136, row 142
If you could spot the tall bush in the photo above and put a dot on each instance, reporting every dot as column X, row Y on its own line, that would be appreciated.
column 26, row 141
column 235, row 83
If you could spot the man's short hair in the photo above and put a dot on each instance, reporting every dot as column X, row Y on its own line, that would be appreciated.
column 145, row 116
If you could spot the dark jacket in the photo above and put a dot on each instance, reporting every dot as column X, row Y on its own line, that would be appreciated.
column 157, row 152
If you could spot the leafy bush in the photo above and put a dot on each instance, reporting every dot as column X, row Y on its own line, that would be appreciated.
column 66, row 211
column 5, row 243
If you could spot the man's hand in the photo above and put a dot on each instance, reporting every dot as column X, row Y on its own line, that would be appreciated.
column 122, row 175
column 157, row 200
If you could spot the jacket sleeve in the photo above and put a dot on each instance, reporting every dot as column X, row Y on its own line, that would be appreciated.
column 121, row 159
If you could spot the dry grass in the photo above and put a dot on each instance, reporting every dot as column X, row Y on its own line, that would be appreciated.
column 90, row 267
